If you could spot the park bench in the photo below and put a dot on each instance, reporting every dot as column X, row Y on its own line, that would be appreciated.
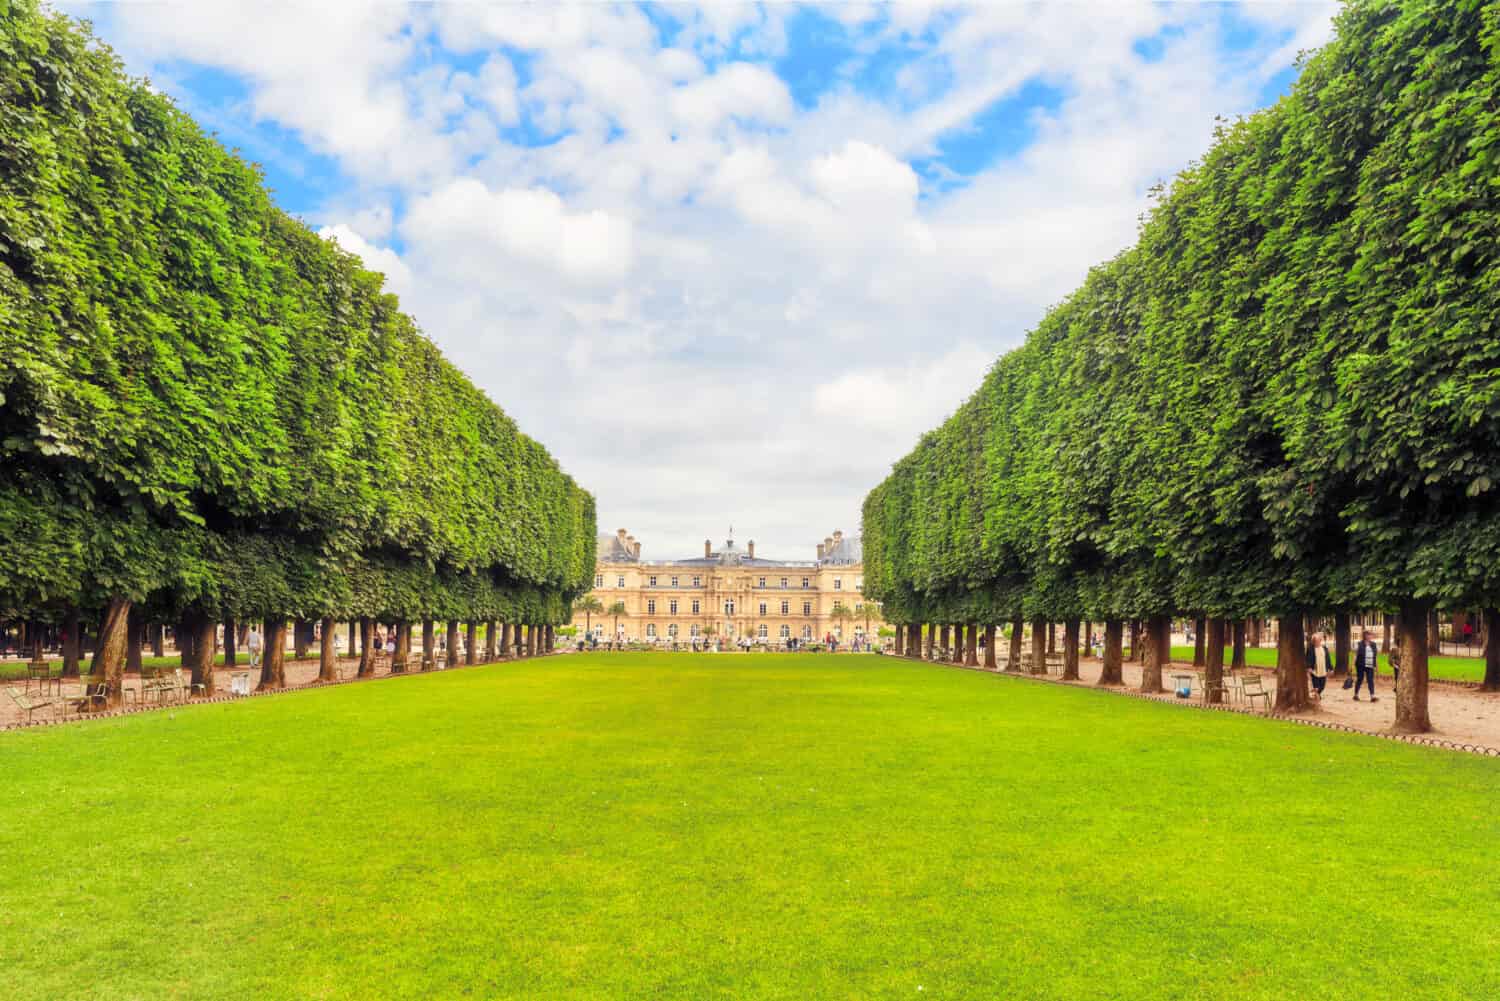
column 29, row 704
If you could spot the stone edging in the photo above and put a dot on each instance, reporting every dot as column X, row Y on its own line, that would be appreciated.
column 1404, row 738
column 256, row 693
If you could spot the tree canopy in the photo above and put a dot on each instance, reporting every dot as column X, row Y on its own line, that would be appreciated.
column 1284, row 396
column 204, row 404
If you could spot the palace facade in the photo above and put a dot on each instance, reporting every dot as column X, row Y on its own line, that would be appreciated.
column 730, row 593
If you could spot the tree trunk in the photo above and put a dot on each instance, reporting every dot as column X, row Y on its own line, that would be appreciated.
column 184, row 636
column 1051, row 639
column 900, row 647
column 452, row 641
column 1213, row 660
column 944, row 643
column 1038, row 646
column 230, row 651
column 273, row 655
column 507, row 640
column 72, row 644
column 1238, row 662
column 205, row 631
column 1255, row 632
column 353, row 637
column 299, row 639
column 989, row 647
column 489, row 641
column 957, row 654
column 108, row 665
column 1385, row 631
column 533, row 639
column 1135, row 640
column 366, row 648
column 1411, row 686
column 328, row 652
column 429, row 645
column 158, row 640
column 1157, row 650
column 1200, row 642
column 398, row 659
column 471, row 646
column 1291, row 666
column 971, row 645
column 1434, row 634
column 135, row 640
column 1070, row 650
column 1490, row 619
column 1017, row 628
column 924, row 650
column 1341, row 643
column 1112, row 667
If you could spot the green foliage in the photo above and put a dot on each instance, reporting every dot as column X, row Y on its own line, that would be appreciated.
column 201, row 402
column 1286, row 395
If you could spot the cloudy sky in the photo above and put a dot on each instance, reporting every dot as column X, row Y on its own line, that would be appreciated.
column 726, row 262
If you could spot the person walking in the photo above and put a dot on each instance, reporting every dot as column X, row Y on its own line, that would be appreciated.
column 1319, row 664
column 253, row 644
column 1366, row 657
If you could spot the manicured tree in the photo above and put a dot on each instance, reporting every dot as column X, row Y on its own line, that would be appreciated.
column 507, row 640
column 1157, row 652
column 1070, row 650
column 971, row 645
column 429, row 645
column 1213, row 659
column 452, row 641
column 108, row 664
column 1112, row 670
column 900, row 645
column 490, row 639
column 989, row 647
column 273, row 661
column 1017, row 627
column 327, row 654
column 471, row 646
column 398, row 659
column 366, row 647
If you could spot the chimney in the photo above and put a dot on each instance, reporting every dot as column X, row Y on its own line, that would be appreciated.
column 838, row 535
column 820, row 550
column 708, row 549
column 637, row 550
column 828, row 545
column 751, row 549
column 620, row 533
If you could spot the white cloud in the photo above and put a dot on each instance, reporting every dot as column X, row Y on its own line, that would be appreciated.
column 382, row 259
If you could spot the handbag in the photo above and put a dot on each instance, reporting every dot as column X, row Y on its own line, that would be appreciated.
column 1348, row 683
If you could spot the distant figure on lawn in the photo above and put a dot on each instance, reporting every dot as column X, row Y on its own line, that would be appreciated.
column 253, row 644
column 1319, row 664
column 1366, row 657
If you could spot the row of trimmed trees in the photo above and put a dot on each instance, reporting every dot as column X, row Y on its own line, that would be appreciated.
column 1280, row 402
column 207, row 412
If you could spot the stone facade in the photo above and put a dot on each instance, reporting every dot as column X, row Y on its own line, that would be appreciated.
column 729, row 593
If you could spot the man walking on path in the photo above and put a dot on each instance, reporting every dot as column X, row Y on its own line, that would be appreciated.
column 252, row 644
column 1366, row 656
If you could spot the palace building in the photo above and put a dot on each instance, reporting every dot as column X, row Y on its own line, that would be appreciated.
column 730, row 593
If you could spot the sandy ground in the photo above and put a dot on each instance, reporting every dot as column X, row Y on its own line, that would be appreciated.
column 1462, row 715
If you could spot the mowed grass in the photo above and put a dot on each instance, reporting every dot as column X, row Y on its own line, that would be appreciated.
column 681, row 826
column 1447, row 668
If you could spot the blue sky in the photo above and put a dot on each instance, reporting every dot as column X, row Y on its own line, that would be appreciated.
column 725, row 261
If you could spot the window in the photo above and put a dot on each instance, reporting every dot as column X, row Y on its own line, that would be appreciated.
column 763, row 608
column 859, row 583
column 674, row 581
column 761, row 631
column 838, row 583
column 807, row 632
column 651, row 581
column 672, row 606
column 786, row 608
column 806, row 582
column 783, row 583
column 598, row 580
column 696, row 607
column 762, row 582
column 729, row 607
column 697, row 581
column 693, row 629
column 651, row 630
column 672, row 630
column 620, row 581
column 650, row 606
column 807, row 608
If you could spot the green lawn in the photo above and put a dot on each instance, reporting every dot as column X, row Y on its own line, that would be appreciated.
column 1451, row 668
column 679, row 826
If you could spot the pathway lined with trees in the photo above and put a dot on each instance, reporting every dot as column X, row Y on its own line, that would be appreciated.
column 208, row 414
column 1283, row 401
